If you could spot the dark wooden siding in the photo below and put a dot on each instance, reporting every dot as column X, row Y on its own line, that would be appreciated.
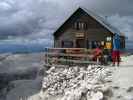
column 94, row 32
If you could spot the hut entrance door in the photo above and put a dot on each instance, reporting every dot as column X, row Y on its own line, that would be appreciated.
column 80, row 43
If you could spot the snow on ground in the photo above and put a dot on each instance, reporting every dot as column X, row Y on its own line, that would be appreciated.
column 127, row 60
column 122, row 83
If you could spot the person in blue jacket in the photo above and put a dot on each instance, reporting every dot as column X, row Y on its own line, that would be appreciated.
column 116, row 50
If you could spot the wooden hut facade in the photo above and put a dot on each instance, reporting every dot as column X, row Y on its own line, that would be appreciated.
column 84, row 29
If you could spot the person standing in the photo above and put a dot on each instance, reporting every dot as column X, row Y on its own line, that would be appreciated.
column 97, row 54
column 116, row 50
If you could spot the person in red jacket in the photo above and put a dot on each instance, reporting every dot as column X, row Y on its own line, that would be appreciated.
column 97, row 54
column 116, row 50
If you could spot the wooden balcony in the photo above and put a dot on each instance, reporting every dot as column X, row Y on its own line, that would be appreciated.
column 69, row 56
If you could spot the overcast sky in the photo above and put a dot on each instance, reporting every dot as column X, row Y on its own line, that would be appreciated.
column 34, row 21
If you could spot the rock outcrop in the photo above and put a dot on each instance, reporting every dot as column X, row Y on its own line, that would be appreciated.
column 76, row 83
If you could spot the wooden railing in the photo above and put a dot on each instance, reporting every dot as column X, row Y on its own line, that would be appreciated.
column 68, row 56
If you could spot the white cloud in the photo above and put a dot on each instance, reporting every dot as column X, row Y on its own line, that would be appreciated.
column 4, row 6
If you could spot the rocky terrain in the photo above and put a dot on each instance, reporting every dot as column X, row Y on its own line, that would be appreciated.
column 23, row 77
column 77, row 83
column 20, row 75
column 91, row 83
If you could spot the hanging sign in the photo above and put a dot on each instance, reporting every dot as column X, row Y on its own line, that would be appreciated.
column 79, row 35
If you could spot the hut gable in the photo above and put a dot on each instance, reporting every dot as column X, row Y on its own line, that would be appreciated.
column 79, row 13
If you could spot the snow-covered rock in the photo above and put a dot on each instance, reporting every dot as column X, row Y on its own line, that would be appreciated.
column 76, row 81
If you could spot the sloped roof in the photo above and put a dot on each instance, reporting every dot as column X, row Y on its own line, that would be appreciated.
column 100, row 19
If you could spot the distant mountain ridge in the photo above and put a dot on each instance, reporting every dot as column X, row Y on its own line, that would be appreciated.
column 30, row 48
column 15, row 48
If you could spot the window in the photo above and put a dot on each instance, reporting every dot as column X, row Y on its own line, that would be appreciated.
column 80, row 25
column 93, row 44
column 67, row 44
column 76, row 26
column 88, row 44
column 80, row 43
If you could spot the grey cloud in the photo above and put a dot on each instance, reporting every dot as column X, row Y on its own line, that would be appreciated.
column 36, row 20
column 27, row 18
column 123, row 23
column 109, row 7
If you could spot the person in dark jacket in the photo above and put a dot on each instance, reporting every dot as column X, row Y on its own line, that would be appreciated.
column 116, row 50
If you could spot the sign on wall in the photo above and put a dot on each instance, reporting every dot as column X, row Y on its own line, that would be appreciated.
column 108, row 45
column 80, row 35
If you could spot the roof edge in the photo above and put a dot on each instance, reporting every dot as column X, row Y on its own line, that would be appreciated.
column 100, row 19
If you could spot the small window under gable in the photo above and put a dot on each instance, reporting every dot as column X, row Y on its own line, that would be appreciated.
column 80, row 25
